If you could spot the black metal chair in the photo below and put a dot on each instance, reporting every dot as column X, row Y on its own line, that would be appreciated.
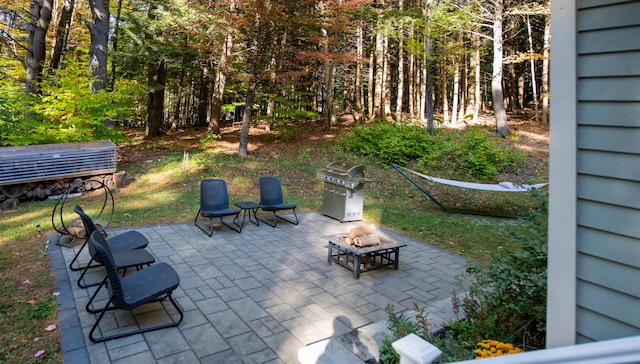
column 127, row 241
column 214, row 202
column 151, row 284
column 271, row 200
column 137, row 258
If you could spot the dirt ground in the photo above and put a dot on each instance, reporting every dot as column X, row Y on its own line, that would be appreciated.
column 525, row 132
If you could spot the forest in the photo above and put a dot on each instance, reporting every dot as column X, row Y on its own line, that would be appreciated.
column 75, row 70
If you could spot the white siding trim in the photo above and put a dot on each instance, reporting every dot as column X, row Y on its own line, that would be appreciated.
column 561, row 291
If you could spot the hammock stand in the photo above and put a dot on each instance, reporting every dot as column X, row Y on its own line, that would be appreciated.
column 500, row 187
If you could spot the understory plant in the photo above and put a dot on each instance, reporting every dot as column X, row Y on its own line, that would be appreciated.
column 402, row 324
column 504, row 303
column 507, row 297
column 473, row 154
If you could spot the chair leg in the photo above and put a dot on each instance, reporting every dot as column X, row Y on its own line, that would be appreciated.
column 78, row 267
column 287, row 219
column 237, row 228
column 210, row 232
column 84, row 271
column 276, row 216
column 139, row 331
column 94, row 295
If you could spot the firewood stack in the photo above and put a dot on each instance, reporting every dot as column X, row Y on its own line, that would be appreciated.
column 363, row 236
column 12, row 195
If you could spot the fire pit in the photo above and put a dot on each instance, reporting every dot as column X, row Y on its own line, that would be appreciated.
column 363, row 259
column 343, row 195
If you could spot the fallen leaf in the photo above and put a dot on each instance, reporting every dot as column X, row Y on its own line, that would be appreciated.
column 50, row 327
column 31, row 302
column 39, row 353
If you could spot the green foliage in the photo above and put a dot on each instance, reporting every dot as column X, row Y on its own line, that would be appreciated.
column 389, row 142
column 473, row 152
column 69, row 111
column 507, row 297
column 506, row 300
column 209, row 140
column 402, row 325
column 42, row 310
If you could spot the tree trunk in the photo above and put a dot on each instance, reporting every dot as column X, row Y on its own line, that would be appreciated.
column 359, row 88
column 329, row 108
column 378, row 105
column 62, row 34
column 99, row 29
column 400, row 94
column 203, row 97
column 545, row 70
column 534, row 86
column 114, row 45
column 496, row 80
column 386, row 75
column 411, row 80
column 178, row 106
column 445, row 98
column 477, row 94
column 155, row 99
column 456, row 90
column 40, row 14
column 274, row 70
column 371, row 87
column 251, row 90
column 428, row 66
column 329, row 113
column 221, row 80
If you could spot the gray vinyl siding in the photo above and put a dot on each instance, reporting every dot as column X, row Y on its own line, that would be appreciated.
column 608, row 167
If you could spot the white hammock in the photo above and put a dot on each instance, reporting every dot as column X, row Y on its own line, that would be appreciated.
column 500, row 187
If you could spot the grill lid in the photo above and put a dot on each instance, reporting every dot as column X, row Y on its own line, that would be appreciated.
column 345, row 169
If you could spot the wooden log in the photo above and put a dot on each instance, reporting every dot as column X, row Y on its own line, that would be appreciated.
column 93, row 183
column 39, row 193
column 120, row 179
column 14, row 191
column 10, row 204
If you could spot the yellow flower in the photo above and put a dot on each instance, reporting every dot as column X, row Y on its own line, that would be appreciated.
column 489, row 348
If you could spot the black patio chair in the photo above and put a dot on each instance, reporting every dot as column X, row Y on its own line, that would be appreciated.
column 214, row 202
column 127, row 241
column 271, row 200
column 122, row 260
column 151, row 284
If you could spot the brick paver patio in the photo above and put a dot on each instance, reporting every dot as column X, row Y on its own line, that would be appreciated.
column 254, row 297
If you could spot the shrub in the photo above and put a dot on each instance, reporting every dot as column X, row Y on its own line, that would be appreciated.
column 402, row 325
column 389, row 142
column 506, row 302
column 507, row 297
column 473, row 153
column 480, row 156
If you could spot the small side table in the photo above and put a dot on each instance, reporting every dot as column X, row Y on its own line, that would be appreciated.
column 252, row 207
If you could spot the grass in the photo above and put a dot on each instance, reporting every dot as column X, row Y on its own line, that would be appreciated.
column 165, row 190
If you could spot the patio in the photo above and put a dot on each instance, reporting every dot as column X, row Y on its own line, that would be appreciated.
column 254, row 297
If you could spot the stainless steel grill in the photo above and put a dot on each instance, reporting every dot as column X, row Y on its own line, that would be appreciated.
column 343, row 195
